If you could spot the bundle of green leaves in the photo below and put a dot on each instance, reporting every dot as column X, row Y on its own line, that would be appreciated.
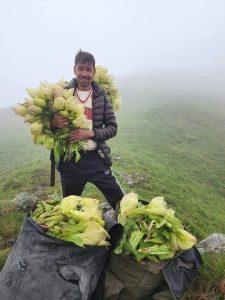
column 73, row 219
column 106, row 81
column 53, row 98
column 151, row 231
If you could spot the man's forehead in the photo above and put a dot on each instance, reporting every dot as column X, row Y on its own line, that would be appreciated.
column 84, row 64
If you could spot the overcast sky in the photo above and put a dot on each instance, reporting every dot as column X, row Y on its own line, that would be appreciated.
column 40, row 38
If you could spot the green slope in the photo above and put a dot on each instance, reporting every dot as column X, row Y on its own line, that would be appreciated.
column 16, row 145
column 178, row 142
column 175, row 140
column 171, row 139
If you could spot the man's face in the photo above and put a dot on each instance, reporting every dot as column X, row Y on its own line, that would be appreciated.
column 84, row 74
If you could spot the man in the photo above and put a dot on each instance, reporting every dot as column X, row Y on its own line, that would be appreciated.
column 94, row 164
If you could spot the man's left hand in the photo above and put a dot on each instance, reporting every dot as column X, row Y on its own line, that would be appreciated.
column 81, row 134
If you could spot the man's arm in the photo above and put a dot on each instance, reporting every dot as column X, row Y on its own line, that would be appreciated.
column 110, row 125
column 81, row 134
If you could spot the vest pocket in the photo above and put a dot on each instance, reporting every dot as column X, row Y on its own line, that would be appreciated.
column 104, row 153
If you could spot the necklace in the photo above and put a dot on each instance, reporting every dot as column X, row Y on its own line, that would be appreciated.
column 89, row 95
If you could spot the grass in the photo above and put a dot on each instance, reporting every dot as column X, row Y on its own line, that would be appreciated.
column 3, row 256
column 211, row 281
column 172, row 146
column 180, row 148
column 9, row 228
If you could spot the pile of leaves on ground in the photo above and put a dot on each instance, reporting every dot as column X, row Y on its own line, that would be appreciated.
column 75, row 219
column 151, row 231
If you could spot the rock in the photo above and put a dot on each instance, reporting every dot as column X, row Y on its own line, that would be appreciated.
column 107, row 210
column 25, row 201
column 105, row 207
column 117, row 158
column 213, row 243
column 135, row 179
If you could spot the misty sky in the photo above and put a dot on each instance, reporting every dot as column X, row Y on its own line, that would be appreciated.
column 40, row 38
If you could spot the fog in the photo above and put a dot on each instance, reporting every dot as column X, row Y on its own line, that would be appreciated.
column 180, row 41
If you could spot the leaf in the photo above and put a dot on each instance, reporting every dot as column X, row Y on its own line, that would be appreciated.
column 47, row 207
column 57, row 153
column 157, row 250
column 152, row 230
column 74, row 238
column 127, row 205
column 135, row 238
column 182, row 240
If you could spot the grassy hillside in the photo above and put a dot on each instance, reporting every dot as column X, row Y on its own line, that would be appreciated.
column 175, row 141
column 178, row 142
column 16, row 145
column 170, row 142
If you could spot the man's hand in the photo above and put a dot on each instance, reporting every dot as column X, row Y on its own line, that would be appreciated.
column 59, row 122
column 81, row 134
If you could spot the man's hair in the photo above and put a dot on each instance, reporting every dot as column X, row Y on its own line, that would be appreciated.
column 85, row 57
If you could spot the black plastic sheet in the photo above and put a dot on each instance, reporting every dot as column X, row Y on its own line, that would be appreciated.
column 41, row 267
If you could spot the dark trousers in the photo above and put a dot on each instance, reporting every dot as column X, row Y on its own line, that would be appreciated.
column 90, row 168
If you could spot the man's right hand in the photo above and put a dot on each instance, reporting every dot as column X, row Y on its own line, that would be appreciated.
column 59, row 122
